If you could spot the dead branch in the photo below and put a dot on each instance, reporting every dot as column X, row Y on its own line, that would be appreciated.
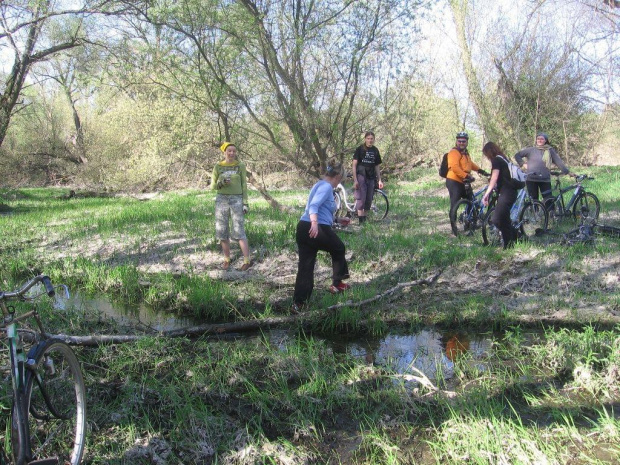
column 239, row 326
column 387, row 293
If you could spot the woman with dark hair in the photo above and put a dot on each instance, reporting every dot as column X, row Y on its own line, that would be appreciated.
column 501, row 180
column 314, row 233
column 366, row 175
column 536, row 162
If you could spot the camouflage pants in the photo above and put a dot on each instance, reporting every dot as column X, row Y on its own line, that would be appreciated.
column 225, row 207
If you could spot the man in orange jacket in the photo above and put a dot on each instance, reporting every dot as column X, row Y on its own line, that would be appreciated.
column 460, row 165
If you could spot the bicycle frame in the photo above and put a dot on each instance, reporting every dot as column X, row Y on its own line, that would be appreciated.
column 31, row 368
column 379, row 209
column 350, row 207
column 558, row 200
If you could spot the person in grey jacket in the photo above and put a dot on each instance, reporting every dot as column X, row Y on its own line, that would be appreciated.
column 536, row 162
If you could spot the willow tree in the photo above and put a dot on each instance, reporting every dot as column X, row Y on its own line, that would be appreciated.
column 286, row 73
column 32, row 32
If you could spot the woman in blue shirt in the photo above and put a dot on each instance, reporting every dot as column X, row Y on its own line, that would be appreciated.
column 314, row 233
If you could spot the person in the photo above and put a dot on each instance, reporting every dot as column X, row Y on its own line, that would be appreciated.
column 366, row 175
column 502, row 181
column 229, row 181
column 314, row 233
column 460, row 166
column 536, row 161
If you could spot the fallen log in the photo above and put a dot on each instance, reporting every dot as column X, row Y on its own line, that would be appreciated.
column 237, row 326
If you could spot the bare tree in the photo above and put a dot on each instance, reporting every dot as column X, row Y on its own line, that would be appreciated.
column 290, row 71
column 32, row 32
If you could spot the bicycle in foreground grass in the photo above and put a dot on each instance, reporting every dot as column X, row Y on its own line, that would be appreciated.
column 378, row 210
column 582, row 204
column 588, row 230
column 529, row 217
column 469, row 214
column 48, row 413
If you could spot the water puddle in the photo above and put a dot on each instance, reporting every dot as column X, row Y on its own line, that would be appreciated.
column 140, row 315
column 431, row 351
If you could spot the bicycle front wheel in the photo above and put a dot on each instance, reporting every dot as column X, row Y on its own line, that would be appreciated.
column 491, row 235
column 56, row 403
column 586, row 206
column 533, row 218
column 463, row 217
column 380, row 206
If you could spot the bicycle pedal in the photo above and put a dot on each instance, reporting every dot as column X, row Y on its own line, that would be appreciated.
column 52, row 461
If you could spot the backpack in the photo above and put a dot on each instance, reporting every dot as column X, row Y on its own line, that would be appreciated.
column 443, row 168
column 517, row 176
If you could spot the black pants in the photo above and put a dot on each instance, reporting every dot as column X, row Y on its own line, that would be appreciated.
column 328, row 241
column 533, row 187
column 501, row 215
column 456, row 190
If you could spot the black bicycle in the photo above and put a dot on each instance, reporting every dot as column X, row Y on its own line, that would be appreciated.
column 48, row 415
column 528, row 216
column 582, row 204
column 469, row 214
column 587, row 231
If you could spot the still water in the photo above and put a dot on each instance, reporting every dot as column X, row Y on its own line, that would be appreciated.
column 429, row 350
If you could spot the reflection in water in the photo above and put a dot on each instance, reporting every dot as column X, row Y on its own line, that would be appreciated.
column 430, row 351
column 140, row 314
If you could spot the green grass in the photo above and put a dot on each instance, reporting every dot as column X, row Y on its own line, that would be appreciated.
column 546, row 397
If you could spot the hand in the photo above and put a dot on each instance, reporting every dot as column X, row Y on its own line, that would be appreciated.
column 483, row 173
column 524, row 167
column 246, row 209
column 468, row 178
column 485, row 200
column 380, row 184
column 314, row 229
column 356, row 185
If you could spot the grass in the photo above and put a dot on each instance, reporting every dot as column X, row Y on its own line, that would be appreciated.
column 546, row 392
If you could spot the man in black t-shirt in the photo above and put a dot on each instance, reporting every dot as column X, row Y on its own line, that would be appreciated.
column 366, row 175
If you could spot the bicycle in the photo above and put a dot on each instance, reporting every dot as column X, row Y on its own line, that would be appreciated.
column 468, row 215
column 48, row 413
column 587, row 231
column 581, row 204
column 378, row 209
column 529, row 217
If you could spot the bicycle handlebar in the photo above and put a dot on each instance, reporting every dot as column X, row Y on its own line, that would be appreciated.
column 578, row 177
column 19, row 294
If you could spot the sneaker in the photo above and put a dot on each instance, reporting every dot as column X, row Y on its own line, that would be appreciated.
column 337, row 289
column 296, row 309
column 225, row 265
column 246, row 266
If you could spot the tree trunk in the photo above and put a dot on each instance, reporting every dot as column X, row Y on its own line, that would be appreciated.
column 485, row 118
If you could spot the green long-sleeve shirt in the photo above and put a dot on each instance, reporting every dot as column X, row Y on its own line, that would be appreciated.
column 237, row 174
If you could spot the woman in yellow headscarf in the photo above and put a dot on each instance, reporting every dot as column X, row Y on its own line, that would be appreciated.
column 229, row 181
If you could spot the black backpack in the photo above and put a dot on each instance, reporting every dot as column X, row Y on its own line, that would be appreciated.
column 443, row 168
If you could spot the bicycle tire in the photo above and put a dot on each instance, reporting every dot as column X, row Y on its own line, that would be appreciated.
column 463, row 217
column 491, row 235
column 55, row 398
column 341, row 209
column 610, row 231
column 379, row 207
column 19, row 448
column 533, row 218
column 583, row 207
